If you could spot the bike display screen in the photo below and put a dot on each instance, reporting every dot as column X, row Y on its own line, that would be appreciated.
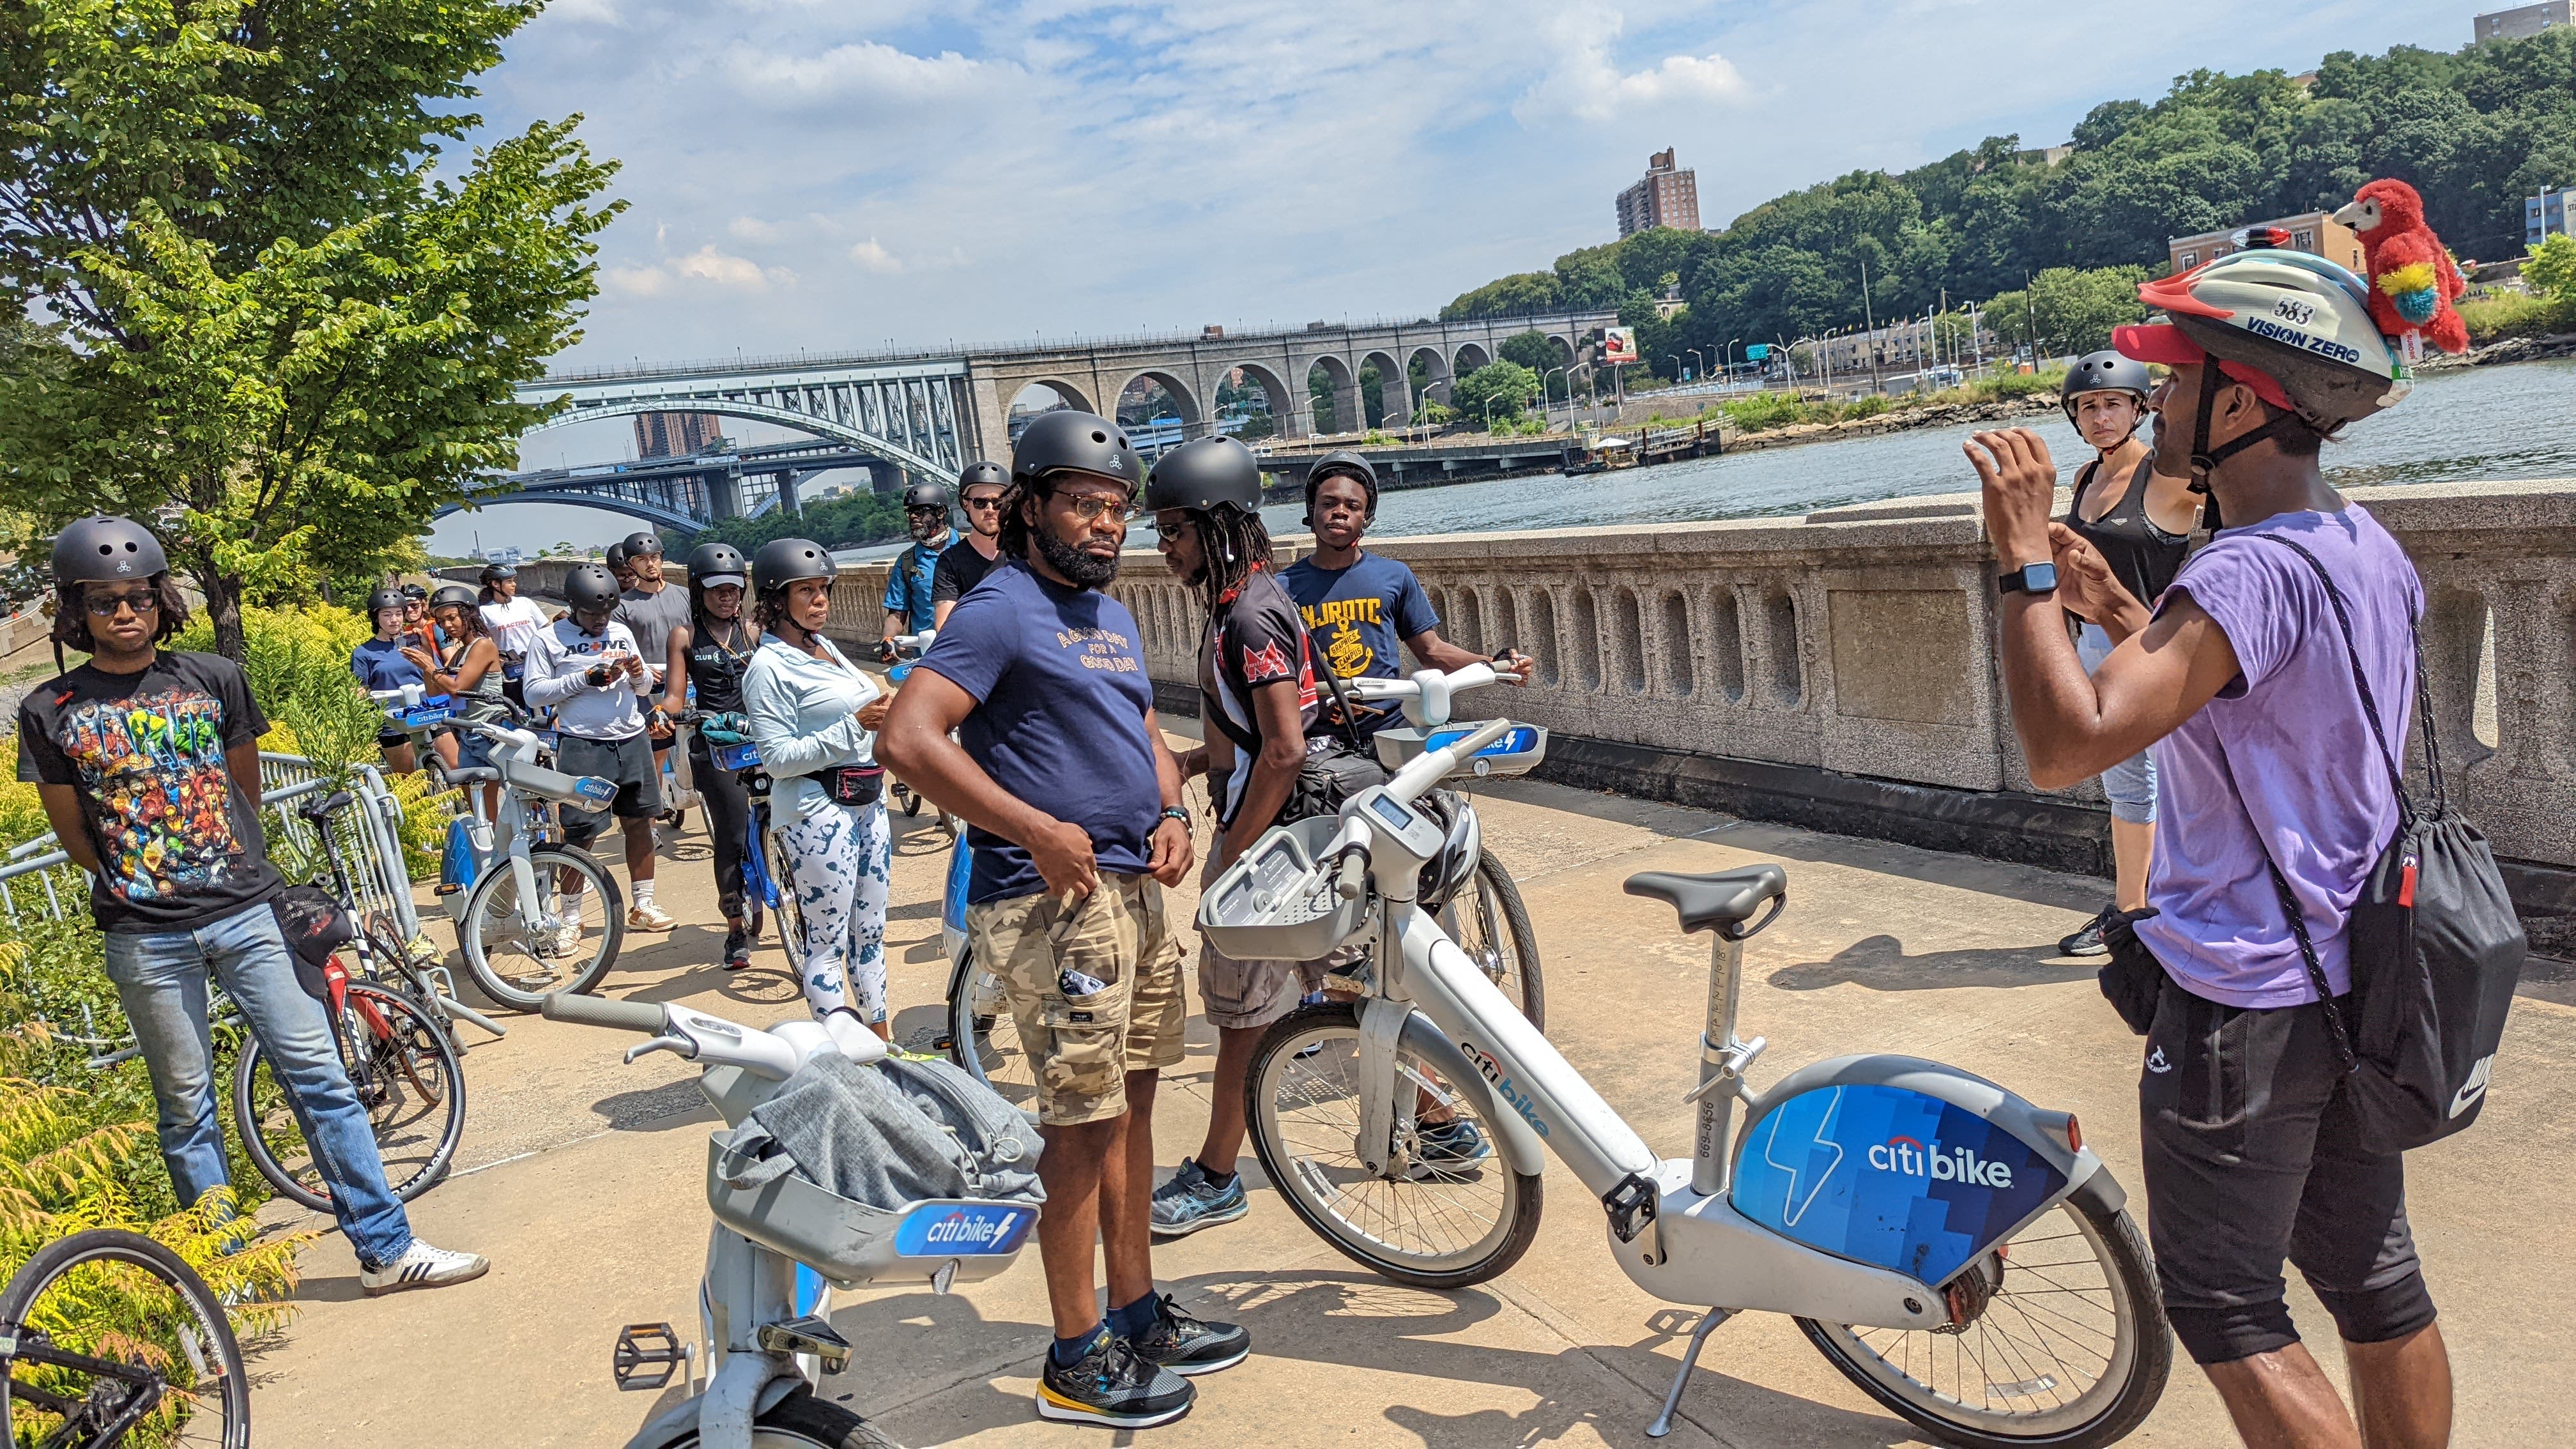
column 1393, row 814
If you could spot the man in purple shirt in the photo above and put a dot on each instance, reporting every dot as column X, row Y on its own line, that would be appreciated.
column 2239, row 680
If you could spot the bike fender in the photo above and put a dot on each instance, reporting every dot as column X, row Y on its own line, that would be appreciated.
column 1521, row 1147
column 1864, row 1136
column 748, row 1386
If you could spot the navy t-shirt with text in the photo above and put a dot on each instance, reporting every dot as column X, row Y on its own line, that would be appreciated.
column 1060, row 690
column 1359, row 618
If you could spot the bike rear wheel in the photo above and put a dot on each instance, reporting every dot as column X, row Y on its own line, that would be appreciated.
column 802, row 1421
column 2067, row 1345
column 177, row 1344
column 1430, row 1224
column 1489, row 923
column 984, row 1037
column 522, row 952
column 402, row 1067
column 791, row 915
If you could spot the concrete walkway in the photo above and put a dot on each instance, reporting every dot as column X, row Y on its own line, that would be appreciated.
column 581, row 1178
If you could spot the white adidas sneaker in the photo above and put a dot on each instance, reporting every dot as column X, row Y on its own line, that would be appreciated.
column 422, row 1266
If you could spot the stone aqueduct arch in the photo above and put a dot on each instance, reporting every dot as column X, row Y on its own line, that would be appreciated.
column 1183, row 393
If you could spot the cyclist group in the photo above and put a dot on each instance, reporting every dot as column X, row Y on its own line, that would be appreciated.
column 2203, row 686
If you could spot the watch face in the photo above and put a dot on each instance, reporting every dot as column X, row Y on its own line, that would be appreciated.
column 2039, row 578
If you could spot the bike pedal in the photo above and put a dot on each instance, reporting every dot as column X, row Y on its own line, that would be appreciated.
column 810, row 1334
column 642, row 1350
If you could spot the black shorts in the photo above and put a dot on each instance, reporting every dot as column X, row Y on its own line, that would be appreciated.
column 626, row 763
column 2252, row 1156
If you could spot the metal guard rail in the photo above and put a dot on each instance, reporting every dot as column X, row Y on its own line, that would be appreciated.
column 370, row 828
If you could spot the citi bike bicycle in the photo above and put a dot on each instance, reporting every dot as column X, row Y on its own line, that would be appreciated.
column 524, row 931
column 777, row 1250
column 1954, row 1250
column 74, row 1382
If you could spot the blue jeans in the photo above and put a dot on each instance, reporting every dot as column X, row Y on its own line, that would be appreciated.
column 2131, row 784
column 161, row 979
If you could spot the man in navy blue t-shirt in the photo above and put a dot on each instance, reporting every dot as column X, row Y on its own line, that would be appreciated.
column 1359, row 606
column 1073, row 808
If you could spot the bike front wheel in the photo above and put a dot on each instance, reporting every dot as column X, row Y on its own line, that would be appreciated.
column 1489, row 923
column 791, row 913
column 523, row 949
column 984, row 1037
column 402, row 1067
column 1449, row 1211
column 802, row 1421
column 2064, row 1343
column 101, row 1319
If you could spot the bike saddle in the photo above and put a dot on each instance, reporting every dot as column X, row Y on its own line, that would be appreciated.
column 314, row 811
column 469, row 774
column 1720, row 900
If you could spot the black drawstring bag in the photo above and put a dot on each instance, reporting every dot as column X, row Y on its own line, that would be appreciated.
column 314, row 926
column 2436, row 947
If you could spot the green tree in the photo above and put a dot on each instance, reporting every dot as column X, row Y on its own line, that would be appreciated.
column 2068, row 311
column 274, row 311
column 2551, row 271
column 1501, row 390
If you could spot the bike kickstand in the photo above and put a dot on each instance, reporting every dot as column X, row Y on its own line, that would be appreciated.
column 458, row 1008
column 1690, row 1357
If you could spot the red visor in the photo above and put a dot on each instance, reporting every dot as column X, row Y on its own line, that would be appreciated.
column 2167, row 345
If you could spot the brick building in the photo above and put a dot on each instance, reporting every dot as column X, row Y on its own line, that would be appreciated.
column 2310, row 231
column 675, row 435
column 1665, row 197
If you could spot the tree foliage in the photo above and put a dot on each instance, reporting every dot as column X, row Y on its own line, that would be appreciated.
column 2551, row 272
column 1502, row 390
column 277, row 328
column 2066, row 310
column 2474, row 131
column 845, row 522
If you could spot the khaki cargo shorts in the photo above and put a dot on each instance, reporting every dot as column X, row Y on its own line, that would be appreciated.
column 1083, row 1047
column 1239, row 995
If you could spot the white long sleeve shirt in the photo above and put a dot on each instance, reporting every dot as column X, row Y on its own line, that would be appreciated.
column 804, row 717
column 558, row 658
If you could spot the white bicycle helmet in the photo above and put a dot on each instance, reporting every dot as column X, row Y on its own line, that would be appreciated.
column 2294, row 327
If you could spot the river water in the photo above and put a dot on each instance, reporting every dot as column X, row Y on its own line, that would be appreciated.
column 2508, row 422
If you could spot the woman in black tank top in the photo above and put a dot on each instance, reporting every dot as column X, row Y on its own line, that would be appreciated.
column 2141, row 524
column 708, row 655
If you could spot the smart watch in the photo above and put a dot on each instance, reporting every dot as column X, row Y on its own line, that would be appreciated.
column 2032, row 579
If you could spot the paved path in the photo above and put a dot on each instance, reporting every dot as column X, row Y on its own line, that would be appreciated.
column 582, row 1179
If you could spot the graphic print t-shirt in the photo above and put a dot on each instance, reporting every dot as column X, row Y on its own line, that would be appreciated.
column 1360, row 617
column 179, row 846
column 1255, row 643
column 1059, row 722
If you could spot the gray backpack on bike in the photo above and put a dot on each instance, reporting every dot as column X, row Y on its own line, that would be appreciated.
column 887, row 1134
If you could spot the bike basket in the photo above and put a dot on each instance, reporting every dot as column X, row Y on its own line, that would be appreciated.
column 1518, row 752
column 436, row 710
column 1274, row 904
column 853, row 1244
column 744, row 756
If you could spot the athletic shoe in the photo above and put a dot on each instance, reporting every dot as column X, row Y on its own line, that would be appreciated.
column 1451, row 1145
column 1190, row 1346
column 560, row 940
column 2088, row 941
column 422, row 1266
column 737, row 952
column 1110, row 1385
column 1189, row 1202
column 646, row 916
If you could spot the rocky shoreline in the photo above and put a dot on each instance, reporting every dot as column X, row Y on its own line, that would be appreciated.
column 1945, row 415
column 2511, row 349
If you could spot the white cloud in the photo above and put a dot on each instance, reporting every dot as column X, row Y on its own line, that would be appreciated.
column 705, row 265
column 1586, row 82
column 875, row 258
column 752, row 229
column 869, row 72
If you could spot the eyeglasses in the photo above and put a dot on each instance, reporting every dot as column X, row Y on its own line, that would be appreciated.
column 1091, row 506
column 1168, row 532
column 993, row 502
column 926, row 512
column 104, row 606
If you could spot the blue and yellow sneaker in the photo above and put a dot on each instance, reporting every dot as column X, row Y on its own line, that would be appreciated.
column 1111, row 1385
column 1190, row 1346
column 1189, row 1202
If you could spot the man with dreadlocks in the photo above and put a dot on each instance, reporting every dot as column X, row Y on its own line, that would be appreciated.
column 1257, row 681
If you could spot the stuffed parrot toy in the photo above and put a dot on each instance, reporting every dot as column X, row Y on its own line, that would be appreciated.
column 2412, row 277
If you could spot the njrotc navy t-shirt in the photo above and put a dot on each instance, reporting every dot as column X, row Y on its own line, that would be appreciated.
column 1360, row 617
column 1060, row 695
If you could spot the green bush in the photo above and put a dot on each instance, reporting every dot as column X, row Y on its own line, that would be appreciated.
column 2507, row 314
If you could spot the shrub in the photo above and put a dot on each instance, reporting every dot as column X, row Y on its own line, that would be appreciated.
column 2505, row 314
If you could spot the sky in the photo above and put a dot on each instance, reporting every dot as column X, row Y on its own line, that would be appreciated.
column 827, row 175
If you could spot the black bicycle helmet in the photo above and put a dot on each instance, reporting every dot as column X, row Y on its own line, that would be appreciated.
column 982, row 471
column 1065, row 441
column 1208, row 474
column 2104, row 372
column 1342, row 464
column 386, row 596
column 101, row 549
column 715, row 563
column 782, row 561
column 925, row 495
column 415, row 591
column 590, row 589
column 642, row 542
column 617, row 556
column 461, row 595
column 495, row 573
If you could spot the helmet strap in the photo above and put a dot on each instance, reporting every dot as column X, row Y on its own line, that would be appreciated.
column 2205, row 459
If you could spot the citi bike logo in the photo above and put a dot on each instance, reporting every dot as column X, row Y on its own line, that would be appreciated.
column 1902, row 1154
column 979, row 1229
column 1493, row 1072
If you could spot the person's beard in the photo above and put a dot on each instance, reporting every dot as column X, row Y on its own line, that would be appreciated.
column 1085, row 570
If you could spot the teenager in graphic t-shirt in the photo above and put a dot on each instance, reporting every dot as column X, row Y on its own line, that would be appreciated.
column 2240, row 680
column 148, row 766
column 1359, row 607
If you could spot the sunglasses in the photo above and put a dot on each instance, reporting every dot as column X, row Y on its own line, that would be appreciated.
column 104, row 606
column 1092, row 506
column 1169, row 532
column 992, row 502
column 926, row 512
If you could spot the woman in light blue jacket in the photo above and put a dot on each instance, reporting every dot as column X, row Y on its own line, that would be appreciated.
column 814, row 716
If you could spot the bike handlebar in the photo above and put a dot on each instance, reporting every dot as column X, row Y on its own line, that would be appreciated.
column 1426, row 695
column 1432, row 766
column 640, row 1016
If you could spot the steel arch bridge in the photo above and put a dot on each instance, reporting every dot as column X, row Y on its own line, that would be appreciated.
column 907, row 413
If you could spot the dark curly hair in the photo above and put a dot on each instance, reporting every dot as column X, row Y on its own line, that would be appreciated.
column 71, row 614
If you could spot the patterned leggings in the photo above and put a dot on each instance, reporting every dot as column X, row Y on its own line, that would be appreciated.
column 839, row 863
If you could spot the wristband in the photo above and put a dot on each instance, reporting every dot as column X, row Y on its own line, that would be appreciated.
column 1173, row 812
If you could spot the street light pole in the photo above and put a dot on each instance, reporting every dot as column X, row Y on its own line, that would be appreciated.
column 1677, row 364
column 1701, row 358
column 1730, row 358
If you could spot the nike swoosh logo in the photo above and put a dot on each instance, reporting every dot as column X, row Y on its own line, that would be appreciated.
column 2468, row 1095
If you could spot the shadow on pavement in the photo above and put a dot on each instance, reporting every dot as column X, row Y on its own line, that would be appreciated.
column 1880, row 963
column 654, row 1109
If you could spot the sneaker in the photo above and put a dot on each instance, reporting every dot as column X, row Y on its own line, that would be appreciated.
column 1190, row 1346
column 737, row 950
column 1451, row 1145
column 1110, row 1385
column 646, row 916
column 563, row 939
column 2088, row 941
column 1189, row 1202
column 422, row 1266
